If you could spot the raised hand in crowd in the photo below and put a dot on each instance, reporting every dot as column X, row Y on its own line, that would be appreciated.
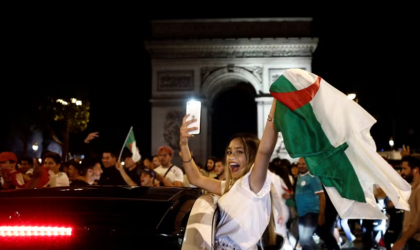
column 36, row 175
column 91, row 136
column 124, row 174
column 405, row 151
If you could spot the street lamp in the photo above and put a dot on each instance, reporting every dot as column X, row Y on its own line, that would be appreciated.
column 62, row 102
column 35, row 148
column 351, row 96
column 391, row 142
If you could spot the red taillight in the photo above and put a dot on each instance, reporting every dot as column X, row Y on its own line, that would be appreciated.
column 6, row 231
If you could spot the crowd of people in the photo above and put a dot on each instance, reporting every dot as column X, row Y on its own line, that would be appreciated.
column 302, row 214
column 261, row 200
column 157, row 170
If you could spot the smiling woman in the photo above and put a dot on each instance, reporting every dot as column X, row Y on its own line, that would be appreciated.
column 240, row 156
column 244, row 199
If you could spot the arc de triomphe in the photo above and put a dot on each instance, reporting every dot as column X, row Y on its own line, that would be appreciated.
column 200, row 58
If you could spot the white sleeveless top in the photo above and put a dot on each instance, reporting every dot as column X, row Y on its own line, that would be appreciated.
column 244, row 215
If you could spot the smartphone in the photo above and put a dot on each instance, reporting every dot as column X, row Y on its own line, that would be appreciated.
column 194, row 109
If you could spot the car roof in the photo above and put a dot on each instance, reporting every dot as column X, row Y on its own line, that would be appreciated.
column 103, row 192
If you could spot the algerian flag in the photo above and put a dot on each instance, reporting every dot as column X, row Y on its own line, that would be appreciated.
column 331, row 132
column 130, row 143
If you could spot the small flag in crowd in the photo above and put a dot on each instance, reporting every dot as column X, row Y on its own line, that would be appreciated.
column 130, row 143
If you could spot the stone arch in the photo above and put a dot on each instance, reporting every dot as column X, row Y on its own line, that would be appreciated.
column 214, row 83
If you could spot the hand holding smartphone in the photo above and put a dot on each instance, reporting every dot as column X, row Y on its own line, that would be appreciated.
column 194, row 109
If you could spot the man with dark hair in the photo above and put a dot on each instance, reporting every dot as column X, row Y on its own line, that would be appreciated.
column 74, row 170
column 411, row 224
column 90, row 171
column 25, row 167
column 155, row 162
column 25, row 164
column 52, row 162
column 147, row 177
column 110, row 175
column 219, row 168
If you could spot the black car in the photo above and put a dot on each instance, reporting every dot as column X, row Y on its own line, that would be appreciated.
column 109, row 217
column 95, row 217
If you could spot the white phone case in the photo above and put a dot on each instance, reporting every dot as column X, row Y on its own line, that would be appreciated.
column 194, row 109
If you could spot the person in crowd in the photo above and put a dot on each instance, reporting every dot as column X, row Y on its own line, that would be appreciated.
column 90, row 172
column 25, row 167
column 96, row 145
column 110, row 175
column 132, row 169
column 219, row 169
column 310, row 202
column 25, row 164
column 11, row 178
column 146, row 162
column 39, row 176
column 74, row 170
column 173, row 174
column 282, row 214
column 210, row 167
column 130, row 172
column 147, row 177
column 410, row 236
column 281, row 168
column 245, row 203
column 294, row 170
column 155, row 162
column 344, row 225
column 276, row 161
column 395, row 223
column 286, row 166
column 52, row 162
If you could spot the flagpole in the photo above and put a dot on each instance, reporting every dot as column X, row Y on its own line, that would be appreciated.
column 131, row 128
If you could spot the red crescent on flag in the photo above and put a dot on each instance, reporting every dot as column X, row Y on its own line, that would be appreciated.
column 296, row 99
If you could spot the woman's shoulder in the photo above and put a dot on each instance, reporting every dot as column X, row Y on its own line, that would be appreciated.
column 243, row 183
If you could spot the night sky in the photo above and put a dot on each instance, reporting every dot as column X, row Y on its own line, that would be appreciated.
column 99, row 55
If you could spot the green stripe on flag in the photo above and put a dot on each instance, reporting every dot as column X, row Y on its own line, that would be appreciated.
column 130, row 140
column 304, row 137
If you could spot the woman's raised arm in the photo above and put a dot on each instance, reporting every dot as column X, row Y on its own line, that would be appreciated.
column 193, row 174
column 265, row 150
